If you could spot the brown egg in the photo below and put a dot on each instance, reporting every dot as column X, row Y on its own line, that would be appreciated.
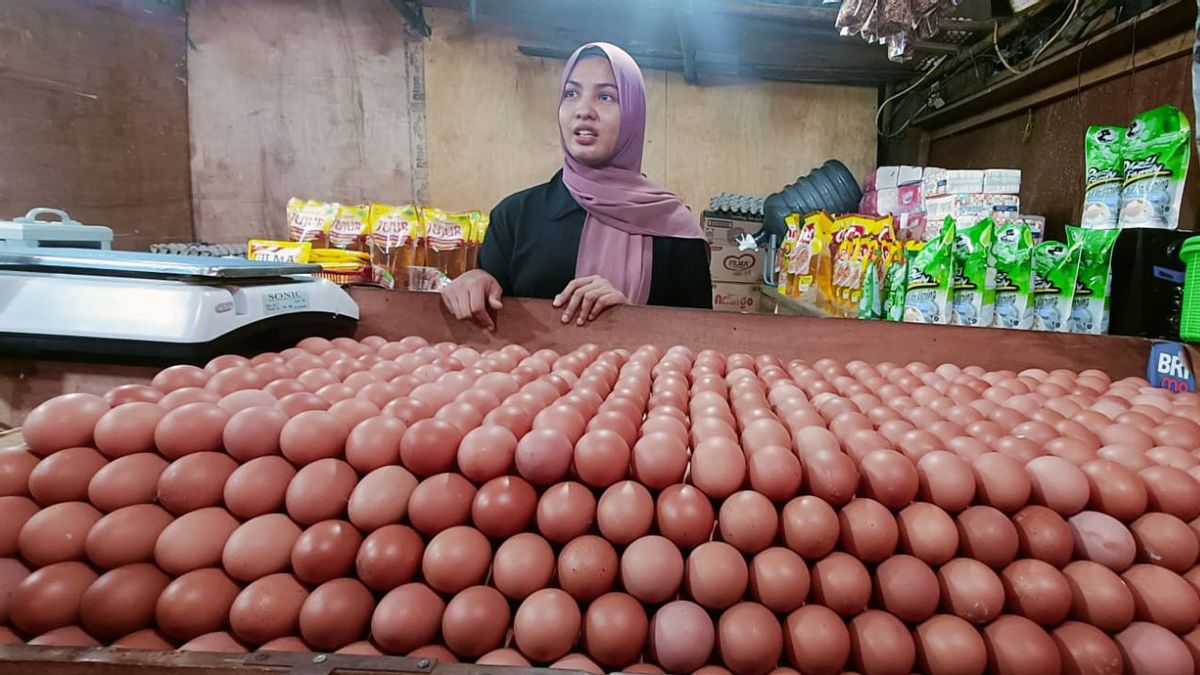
column 254, row 432
column 946, row 645
column 565, row 511
column 218, row 642
column 868, row 530
column 268, row 609
column 1115, row 490
column 389, row 557
column 841, row 583
column 336, row 613
column 361, row 648
column 320, row 491
column 375, row 443
column 65, row 421
column 927, row 532
column 407, row 618
column 651, row 569
column 946, row 480
column 196, row 603
column 186, row 395
column 258, row 487
column 625, row 512
column 57, row 533
column 325, row 551
column 889, row 478
column 718, row 467
column 312, row 435
column 194, row 540
column 64, row 475
column 1001, row 482
column 1164, row 540
column 544, row 455
column 685, row 515
column 122, row 600
column 177, row 377
column 14, row 513
column 1086, row 649
column 810, row 526
column 298, row 402
column 126, row 536
column 1058, row 484
column 1043, row 534
column 547, row 624
column 503, row 657
column 456, row 558
column 440, row 502
column 259, row 547
column 880, row 644
column 775, row 472
column 816, row 640
column 1172, row 491
column 749, row 639
column 658, row 460
column 615, row 630
column 381, row 498
column 148, row 640
column 194, row 427
column 125, row 481
column 50, row 597
column 1018, row 646
column 1037, row 591
column 67, row 636
column 16, row 465
column 1098, row 596
column 523, row 564
column 475, row 621
column 970, row 590
column 830, row 475
column 1149, row 649
column 129, row 393
column 748, row 521
column 907, row 588
column 1103, row 539
column 1163, row 597
column 779, row 579
column 717, row 575
column 587, row 567
column 987, row 535
column 194, row 481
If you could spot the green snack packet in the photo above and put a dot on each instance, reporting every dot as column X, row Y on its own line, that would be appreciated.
column 1055, row 266
column 1013, row 250
column 1090, row 307
column 1105, row 174
column 1158, row 146
column 973, row 299
column 870, row 304
column 895, row 283
column 930, row 275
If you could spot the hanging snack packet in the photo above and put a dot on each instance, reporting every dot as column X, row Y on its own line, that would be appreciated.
column 930, row 275
column 446, row 238
column 1158, row 147
column 1105, row 173
column 278, row 251
column 309, row 221
column 1090, row 307
column 1012, row 249
column 1055, row 266
column 348, row 231
column 392, row 243
column 973, row 299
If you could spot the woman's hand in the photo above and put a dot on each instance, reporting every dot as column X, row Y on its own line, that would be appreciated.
column 471, row 296
column 585, row 298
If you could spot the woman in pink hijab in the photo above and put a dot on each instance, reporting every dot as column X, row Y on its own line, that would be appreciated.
column 598, row 234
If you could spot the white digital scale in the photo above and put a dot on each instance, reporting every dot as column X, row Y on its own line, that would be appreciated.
column 120, row 306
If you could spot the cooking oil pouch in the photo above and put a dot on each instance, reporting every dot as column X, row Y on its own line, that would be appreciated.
column 1090, row 307
column 446, row 236
column 823, row 231
column 1158, row 147
column 862, row 242
column 1105, row 172
column 807, row 255
column 973, row 298
column 349, row 229
column 1012, row 248
column 790, row 262
column 279, row 251
column 392, row 242
column 1055, row 266
column 310, row 220
column 930, row 277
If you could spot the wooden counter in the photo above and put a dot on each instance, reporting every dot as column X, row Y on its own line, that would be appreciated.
column 535, row 324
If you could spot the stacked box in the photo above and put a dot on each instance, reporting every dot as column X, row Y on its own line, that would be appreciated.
column 736, row 272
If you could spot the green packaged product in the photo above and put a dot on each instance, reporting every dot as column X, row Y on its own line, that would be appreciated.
column 895, row 283
column 1055, row 266
column 1158, row 147
column 1105, row 174
column 870, row 304
column 973, row 297
column 930, row 275
column 1090, row 307
column 1013, row 250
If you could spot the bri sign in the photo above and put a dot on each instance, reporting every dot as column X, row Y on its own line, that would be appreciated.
column 1169, row 368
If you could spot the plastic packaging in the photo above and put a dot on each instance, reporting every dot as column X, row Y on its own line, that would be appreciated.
column 1105, row 173
column 930, row 275
column 1093, row 283
column 1012, row 249
column 974, row 296
column 1158, row 147
column 1055, row 266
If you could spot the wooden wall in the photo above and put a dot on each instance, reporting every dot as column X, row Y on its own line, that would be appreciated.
column 493, row 125
column 306, row 99
column 312, row 99
column 93, row 115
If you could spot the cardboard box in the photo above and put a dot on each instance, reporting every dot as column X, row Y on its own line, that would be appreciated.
column 1002, row 181
column 736, row 297
column 729, row 263
column 910, row 175
column 968, row 209
column 938, row 182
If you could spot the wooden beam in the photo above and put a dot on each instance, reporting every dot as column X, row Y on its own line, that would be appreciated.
column 687, row 47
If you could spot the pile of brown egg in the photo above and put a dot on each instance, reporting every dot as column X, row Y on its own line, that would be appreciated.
column 609, row 510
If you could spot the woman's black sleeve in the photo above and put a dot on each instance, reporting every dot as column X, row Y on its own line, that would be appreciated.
column 688, row 282
column 495, row 255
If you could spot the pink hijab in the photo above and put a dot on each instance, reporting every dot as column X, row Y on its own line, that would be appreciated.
column 624, row 209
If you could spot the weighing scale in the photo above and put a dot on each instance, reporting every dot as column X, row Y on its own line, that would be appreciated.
column 126, row 307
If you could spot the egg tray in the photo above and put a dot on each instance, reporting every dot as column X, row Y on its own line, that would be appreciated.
column 704, row 512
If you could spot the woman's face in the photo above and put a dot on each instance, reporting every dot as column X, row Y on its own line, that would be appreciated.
column 589, row 115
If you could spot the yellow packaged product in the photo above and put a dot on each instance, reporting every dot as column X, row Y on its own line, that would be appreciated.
column 479, row 223
column 445, row 240
column 341, row 266
column 807, row 255
column 349, row 229
column 310, row 220
column 859, row 242
column 279, row 251
column 392, row 242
